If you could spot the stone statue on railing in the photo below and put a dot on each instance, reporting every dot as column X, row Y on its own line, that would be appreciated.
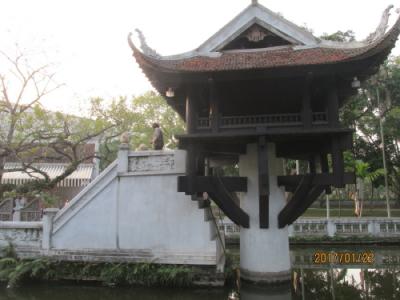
column 124, row 139
column 158, row 139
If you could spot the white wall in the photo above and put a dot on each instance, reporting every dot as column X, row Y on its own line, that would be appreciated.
column 137, row 213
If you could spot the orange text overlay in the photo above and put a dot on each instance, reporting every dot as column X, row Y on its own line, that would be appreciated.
column 345, row 257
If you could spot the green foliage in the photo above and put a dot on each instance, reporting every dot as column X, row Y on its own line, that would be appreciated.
column 362, row 170
column 48, row 200
column 151, row 108
column 16, row 272
column 232, row 264
column 9, row 251
column 340, row 36
column 7, row 266
column 146, row 274
column 5, row 188
column 377, row 101
column 383, row 283
column 136, row 116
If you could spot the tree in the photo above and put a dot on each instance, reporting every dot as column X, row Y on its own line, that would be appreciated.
column 29, row 133
column 340, row 36
column 137, row 115
column 364, row 115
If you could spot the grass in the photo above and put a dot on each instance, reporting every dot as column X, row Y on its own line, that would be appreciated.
column 346, row 212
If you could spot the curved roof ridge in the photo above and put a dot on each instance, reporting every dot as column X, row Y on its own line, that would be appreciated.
column 257, row 13
column 373, row 38
column 269, row 57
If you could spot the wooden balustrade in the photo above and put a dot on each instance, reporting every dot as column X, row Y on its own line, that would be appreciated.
column 270, row 120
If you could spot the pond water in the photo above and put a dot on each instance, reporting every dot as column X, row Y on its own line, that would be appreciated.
column 379, row 279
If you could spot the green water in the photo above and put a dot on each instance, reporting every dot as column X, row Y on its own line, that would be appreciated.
column 309, row 281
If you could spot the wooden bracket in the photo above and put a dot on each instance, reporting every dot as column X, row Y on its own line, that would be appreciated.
column 220, row 190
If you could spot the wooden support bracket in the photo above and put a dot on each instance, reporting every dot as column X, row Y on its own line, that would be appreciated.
column 220, row 190
column 290, row 182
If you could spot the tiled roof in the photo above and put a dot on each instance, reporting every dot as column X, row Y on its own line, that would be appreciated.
column 289, row 56
column 80, row 177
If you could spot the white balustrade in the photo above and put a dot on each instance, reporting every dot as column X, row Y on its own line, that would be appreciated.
column 344, row 227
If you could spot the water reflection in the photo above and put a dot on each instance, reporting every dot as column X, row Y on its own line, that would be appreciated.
column 78, row 292
column 346, row 284
column 309, row 281
column 259, row 293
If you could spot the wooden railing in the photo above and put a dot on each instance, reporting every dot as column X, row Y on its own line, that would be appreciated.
column 203, row 123
column 320, row 118
column 256, row 120
column 270, row 120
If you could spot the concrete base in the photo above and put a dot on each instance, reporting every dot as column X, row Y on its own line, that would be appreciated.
column 265, row 278
column 264, row 253
column 252, row 292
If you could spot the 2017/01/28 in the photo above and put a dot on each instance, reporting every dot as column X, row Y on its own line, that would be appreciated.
column 324, row 257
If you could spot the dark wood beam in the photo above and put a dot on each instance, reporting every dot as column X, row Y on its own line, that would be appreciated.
column 312, row 164
column 214, row 106
column 333, row 104
column 318, row 179
column 306, row 103
column 225, row 148
column 263, row 183
column 276, row 135
column 325, row 170
column 190, row 115
column 226, row 203
column 337, row 163
column 299, row 204
column 301, row 148
column 220, row 191
column 300, row 193
column 194, row 184
column 298, row 148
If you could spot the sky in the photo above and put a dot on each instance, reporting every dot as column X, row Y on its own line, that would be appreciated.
column 87, row 40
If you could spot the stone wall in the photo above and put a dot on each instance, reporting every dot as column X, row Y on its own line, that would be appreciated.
column 133, row 212
column 26, row 237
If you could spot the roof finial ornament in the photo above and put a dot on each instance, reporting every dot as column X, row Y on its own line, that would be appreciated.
column 254, row 2
column 383, row 25
column 145, row 48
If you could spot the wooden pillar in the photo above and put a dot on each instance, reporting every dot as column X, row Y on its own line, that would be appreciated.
column 338, row 163
column 263, row 182
column 191, row 168
column 325, row 169
column 333, row 104
column 306, row 103
column 190, row 112
column 214, row 107
column 312, row 163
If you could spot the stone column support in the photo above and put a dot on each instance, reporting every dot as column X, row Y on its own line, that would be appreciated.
column 264, row 253
column 331, row 228
column 48, row 217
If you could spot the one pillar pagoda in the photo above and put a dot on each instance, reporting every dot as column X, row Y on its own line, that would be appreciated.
column 260, row 90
